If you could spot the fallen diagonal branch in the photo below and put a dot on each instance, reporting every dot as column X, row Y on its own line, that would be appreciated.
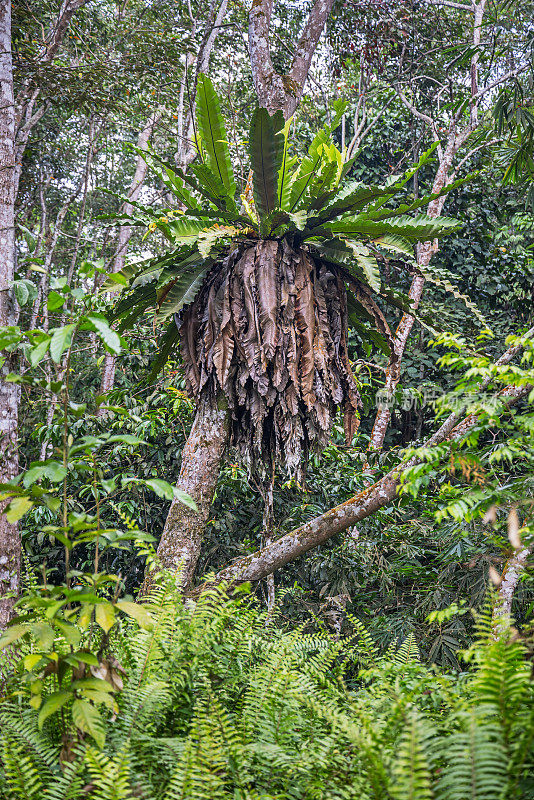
column 317, row 531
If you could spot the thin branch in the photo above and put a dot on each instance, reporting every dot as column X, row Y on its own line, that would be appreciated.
column 416, row 113
column 470, row 154
column 308, row 41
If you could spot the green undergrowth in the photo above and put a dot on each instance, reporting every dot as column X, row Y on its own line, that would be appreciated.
column 217, row 699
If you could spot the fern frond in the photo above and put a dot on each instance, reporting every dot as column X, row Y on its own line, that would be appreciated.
column 475, row 762
column 413, row 767
column 109, row 775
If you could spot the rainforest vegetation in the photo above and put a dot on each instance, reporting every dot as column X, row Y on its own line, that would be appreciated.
column 266, row 399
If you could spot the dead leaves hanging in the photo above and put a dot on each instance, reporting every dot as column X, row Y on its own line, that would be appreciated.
column 269, row 329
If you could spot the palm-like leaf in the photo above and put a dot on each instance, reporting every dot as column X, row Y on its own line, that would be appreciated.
column 266, row 151
column 213, row 133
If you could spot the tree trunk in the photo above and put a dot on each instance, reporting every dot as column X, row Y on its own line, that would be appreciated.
column 278, row 92
column 182, row 535
column 180, row 543
column 9, row 392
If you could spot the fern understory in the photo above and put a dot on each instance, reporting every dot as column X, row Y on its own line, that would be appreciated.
column 221, row 700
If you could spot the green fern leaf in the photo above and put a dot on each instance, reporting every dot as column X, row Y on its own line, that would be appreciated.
column 475, row 762
column 266, row 151
column 413, row 765
column 181, row 291
column 212, row 130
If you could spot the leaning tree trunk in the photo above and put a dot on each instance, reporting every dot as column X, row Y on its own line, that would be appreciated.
column 9, row 392
column 180, row 543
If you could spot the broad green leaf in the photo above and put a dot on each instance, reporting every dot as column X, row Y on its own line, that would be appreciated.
column 105, row 616
column 416, row 229
column 54, row 301
column 367, row 262
column 70, row 632
column 43, row 634
column 96, row 684
column 298, row 219
column 61, row 341
column 12, row 634
column 168, row 342
column 85, row 616
column 286, row 165
column 208, row 238
column 125, row 438
column 137, row 612
column 87, row 719
column 21, row 292
column 160, row 487
column 25, row 291
column 210, row 185
column 38, row 352
column 351, row 198
column 108, row 336
column 30, row 238
column 53, row 470
column 266, row 151
column 182, row 291
column 17, row 508
column 9, row 336
column 211, row 128
column 184, row 498
column 168, row 175
column 86, row 658
column 185, row 230
column 396, row 244
column 100, row 697
column 53, row 703
column 308, row 169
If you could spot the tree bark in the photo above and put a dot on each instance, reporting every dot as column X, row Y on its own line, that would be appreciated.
column 9, row 392
column 180, row 543
column 514, row 569
column 282, row 92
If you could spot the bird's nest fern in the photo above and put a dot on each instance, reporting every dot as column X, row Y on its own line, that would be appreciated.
column 260, row 291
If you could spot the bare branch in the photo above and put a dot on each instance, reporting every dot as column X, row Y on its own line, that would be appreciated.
column 308, row 41
column 506, row 77
column 186, row 152
column 419, row 114
column 208, row 40
column 478, row 10
column 360, row 135
column 470, row 154
column 58, row 30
